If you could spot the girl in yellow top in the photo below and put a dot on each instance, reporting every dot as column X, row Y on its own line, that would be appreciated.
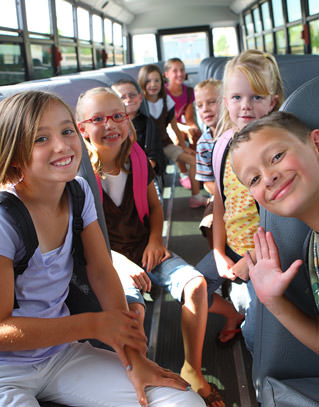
column 252, row 88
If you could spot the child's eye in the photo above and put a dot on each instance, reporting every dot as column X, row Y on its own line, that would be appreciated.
column 277, row 157
column 212, row 102
column 98, row 119
column 253, row 181
column 68, row 132
column 257, row 97
column 199, row 105
column 40, row 139
column 236, row 97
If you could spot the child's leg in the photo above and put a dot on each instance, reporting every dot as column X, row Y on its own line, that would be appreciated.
column 90, row 377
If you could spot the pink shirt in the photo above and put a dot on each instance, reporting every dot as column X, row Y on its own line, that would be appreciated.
column 181, row 103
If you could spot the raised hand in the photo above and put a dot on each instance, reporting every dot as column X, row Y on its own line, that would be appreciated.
column 269, row 281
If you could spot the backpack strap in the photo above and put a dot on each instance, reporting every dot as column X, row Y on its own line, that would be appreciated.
column 189, row 93
column 140, row 172
column 218, row 159
column 23, row 225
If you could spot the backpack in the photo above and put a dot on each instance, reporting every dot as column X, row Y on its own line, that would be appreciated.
column 220, row 151
column 81, row 297
column 139, row 171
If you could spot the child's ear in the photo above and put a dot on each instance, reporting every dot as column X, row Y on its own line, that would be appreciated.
column 274, row 100
column 314, row 136
column 83, row 132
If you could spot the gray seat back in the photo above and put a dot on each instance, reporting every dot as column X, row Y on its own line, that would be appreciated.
column 276, row 352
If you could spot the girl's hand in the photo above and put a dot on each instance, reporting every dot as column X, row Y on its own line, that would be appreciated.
column 147, row 373
column 240, row 269
column 189, row 150
column 141, row 280
column 224, row 265
column 194, row 134
column 154, row 254
column 119, row 329
column 269, row 281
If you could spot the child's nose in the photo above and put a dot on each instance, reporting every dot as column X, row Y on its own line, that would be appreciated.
column 270, row 178
column 246, row 103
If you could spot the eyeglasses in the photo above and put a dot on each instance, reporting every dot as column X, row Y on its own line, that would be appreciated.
column 100, row 119
column 130, row 95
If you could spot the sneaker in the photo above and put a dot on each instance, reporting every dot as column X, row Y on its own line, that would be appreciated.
column 197, row 202
column 185, row 182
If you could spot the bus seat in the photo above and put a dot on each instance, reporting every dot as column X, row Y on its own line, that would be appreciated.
column 65, row 88
column 279, row 359
column 289, row 68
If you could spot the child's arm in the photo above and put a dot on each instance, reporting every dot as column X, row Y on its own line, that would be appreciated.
column 270, row 284
column 180, row 137
column 209, row 186
column 155, row 252
column 193, row 129
column 240, row 269
column 223, row 262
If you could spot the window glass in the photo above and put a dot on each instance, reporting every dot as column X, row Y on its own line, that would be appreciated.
column 99, row 58
column 225, row 41
column 144, row 49
column 125, row 49
column 117, row 32
column 119, row 57
column 313, row 6
column 68, row 63
column 314, row 36
column 83, row 24
column 259, row 43
column 277, row 12
column 293, row 10
column 295, row 40
column 269, row 43
column 110, row 55
column 34, row 9
column 97, row 28
column 64, row 17
column 191, row 48
column 86, row 62
column 8, row 14
column 108, row 31
column 257, row 20
column 42, row 61
column 11, row 64
column 249, row 24
column 281, row 42
column 251, row 43
column 266, row 16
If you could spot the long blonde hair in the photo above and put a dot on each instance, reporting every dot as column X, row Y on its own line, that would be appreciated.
column 263, row 75
column 20, row 116
column 126, row 147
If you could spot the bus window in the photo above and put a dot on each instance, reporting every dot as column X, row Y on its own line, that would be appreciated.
column 34, row 9
column 86, row 61
column 191, row 48
column 225, row 41
column 313, row 7
column 295, row 41
column 97, row 28
column 257, row 20
column 83, row 24
column 277, row 12
column 108, row 38
column 12, row 64
column 8, row 15
column 281, row 42
column 42, row 60
column 68, row 63
column 266, row 16
column 314, row 35
column 64, row 18
column 293, row 10
column 269, row 43
column 144, row 49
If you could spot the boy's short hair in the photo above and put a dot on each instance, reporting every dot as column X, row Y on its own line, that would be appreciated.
column 124, row 81
column 209, row 82
column 170, row 62
column 280, row 120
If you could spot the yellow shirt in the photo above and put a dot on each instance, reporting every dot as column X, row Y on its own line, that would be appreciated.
column 241, row 216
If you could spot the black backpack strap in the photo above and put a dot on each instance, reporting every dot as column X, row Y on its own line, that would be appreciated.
column 22, row 223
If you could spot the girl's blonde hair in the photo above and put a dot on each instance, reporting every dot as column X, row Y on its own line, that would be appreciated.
column 142, row 79
column 125, row 150
column 20, row 116
column 263, row 75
